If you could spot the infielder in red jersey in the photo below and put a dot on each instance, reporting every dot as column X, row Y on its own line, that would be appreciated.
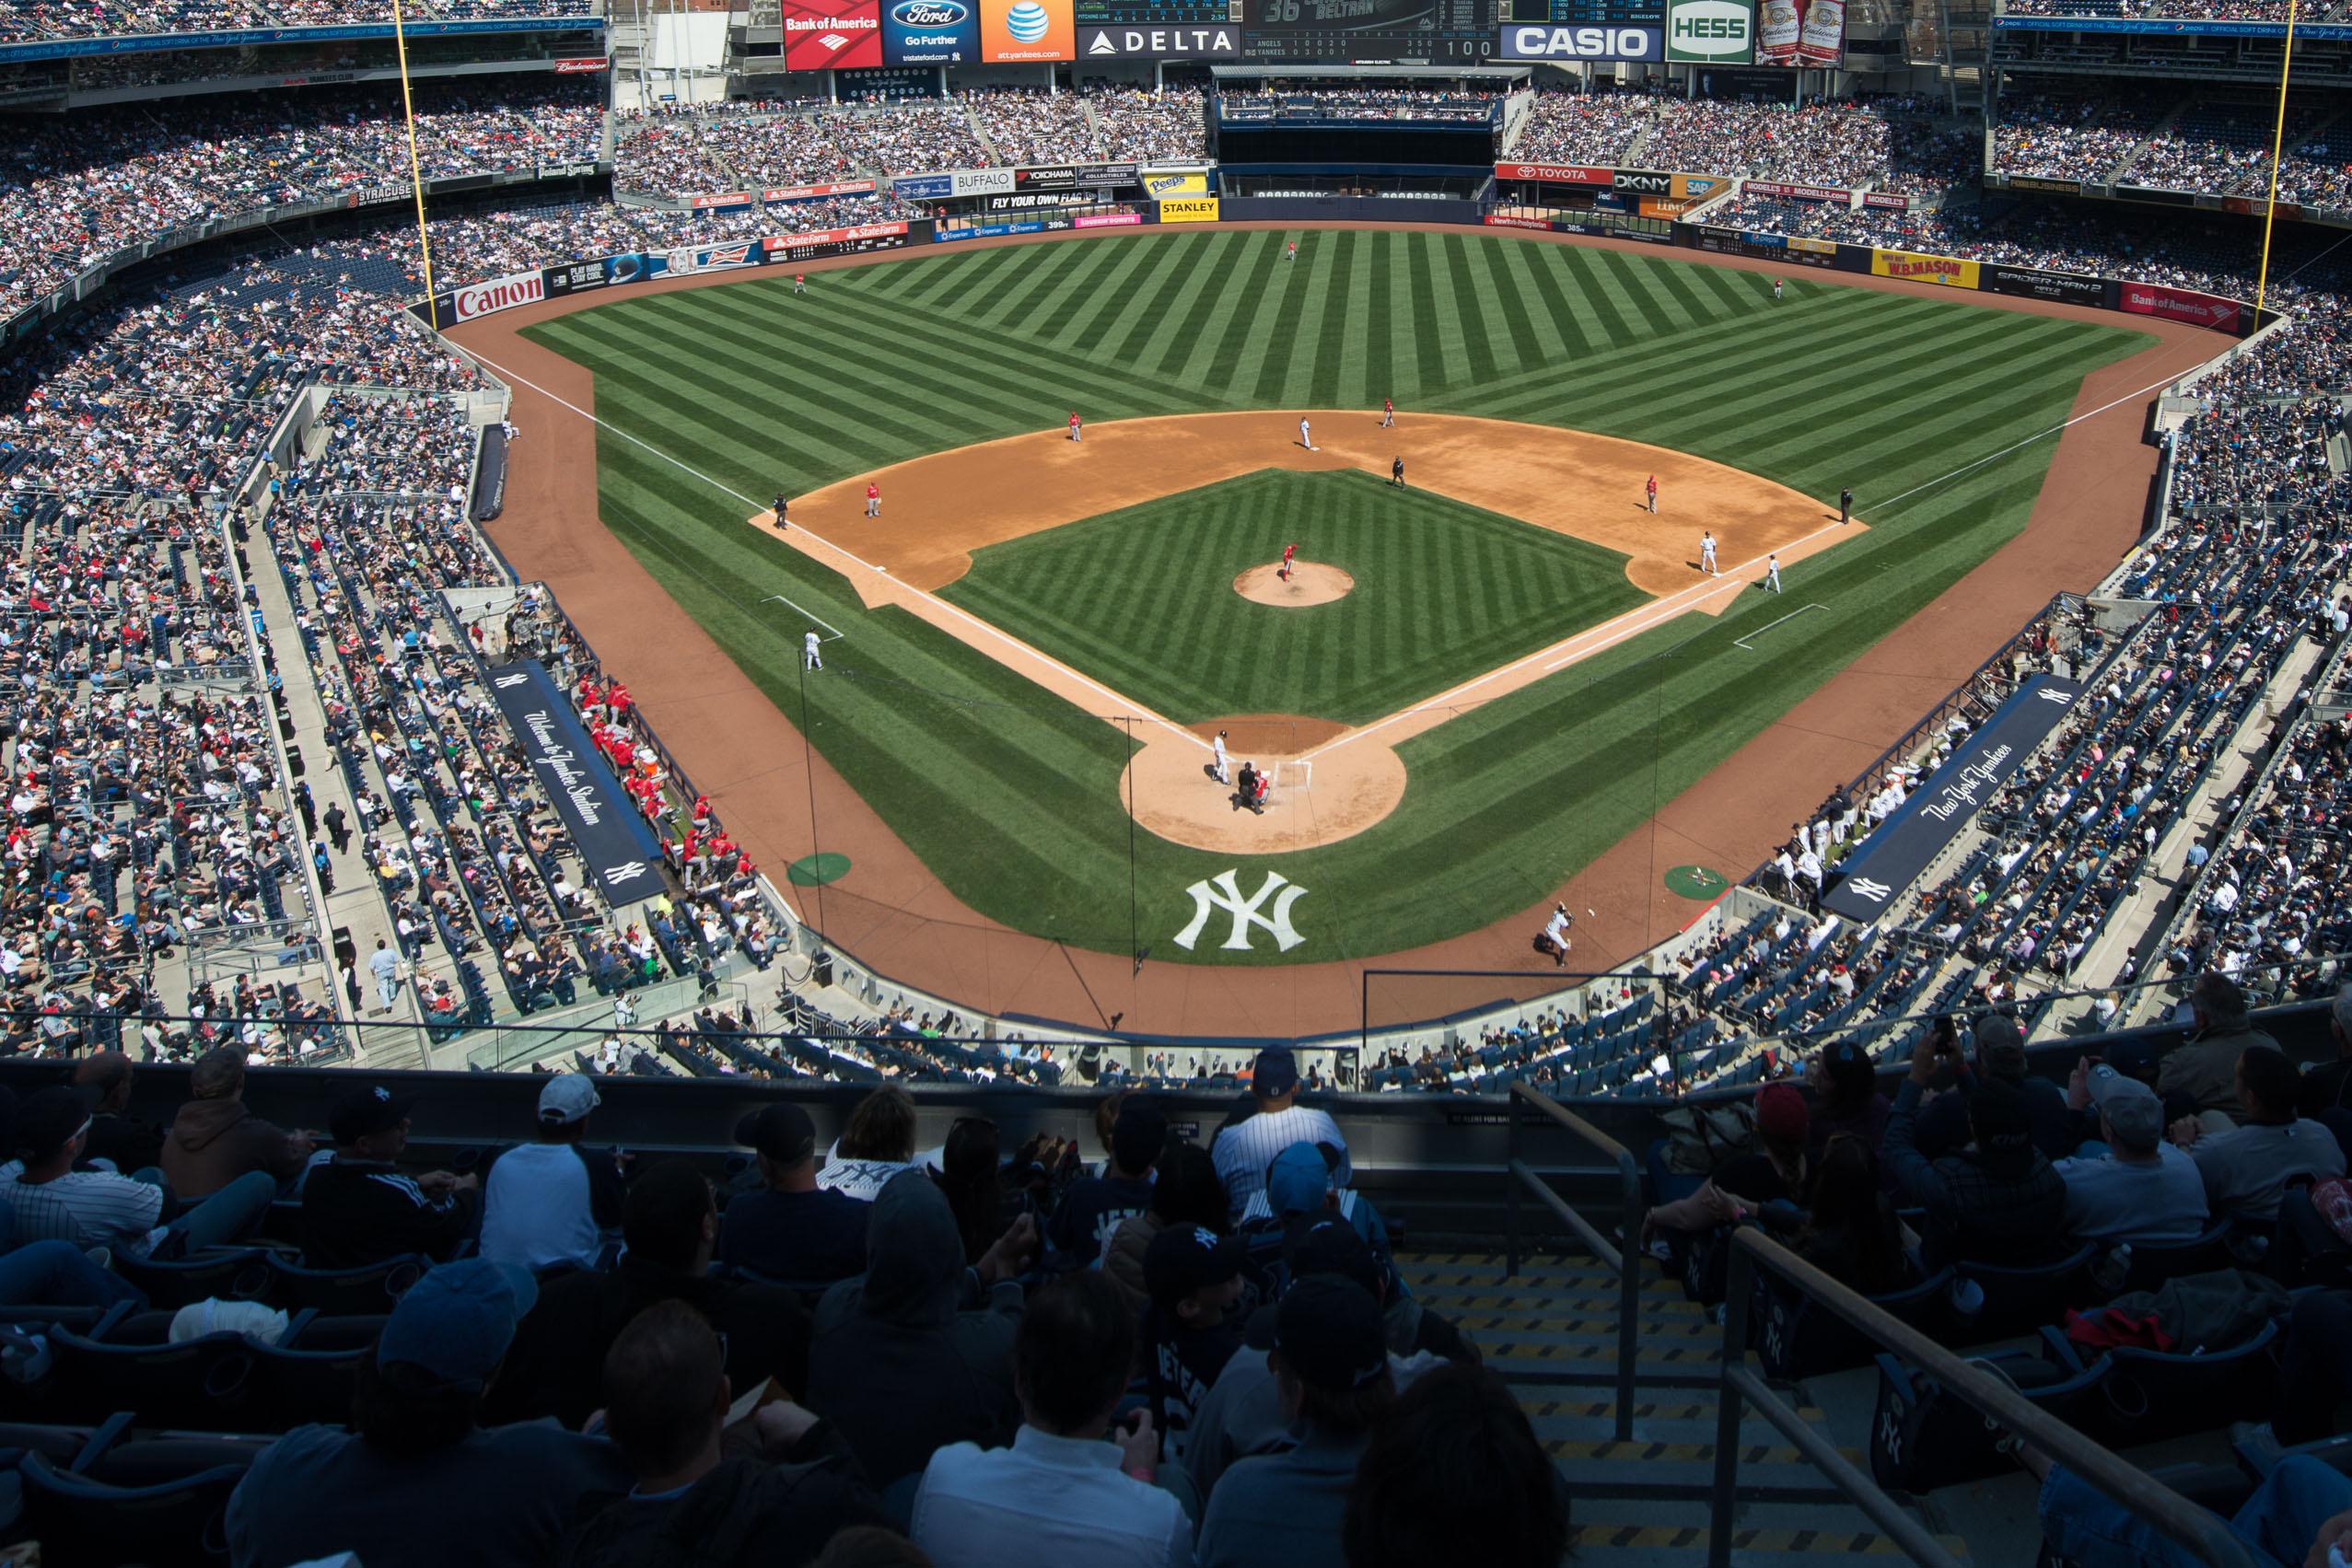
column 1074, row 427
column 1651, row 491
column 1287, row 551
column 873, row 499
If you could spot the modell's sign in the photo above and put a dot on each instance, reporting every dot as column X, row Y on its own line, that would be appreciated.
column 1796, row 192
column 498, row 294
column 1557, row 173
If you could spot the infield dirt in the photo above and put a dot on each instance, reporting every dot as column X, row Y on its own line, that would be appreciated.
column 894, row 915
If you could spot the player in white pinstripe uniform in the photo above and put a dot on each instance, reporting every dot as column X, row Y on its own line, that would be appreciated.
column 1244, row 1149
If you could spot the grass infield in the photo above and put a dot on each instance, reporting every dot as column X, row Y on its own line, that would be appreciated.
column 1143, row 600
column 1009, row 795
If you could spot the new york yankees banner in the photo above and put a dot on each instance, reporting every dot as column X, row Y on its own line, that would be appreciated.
column 1891, row 859
column 615, row 843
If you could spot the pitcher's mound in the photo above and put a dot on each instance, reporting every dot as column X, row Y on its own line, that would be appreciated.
column 1310, row 582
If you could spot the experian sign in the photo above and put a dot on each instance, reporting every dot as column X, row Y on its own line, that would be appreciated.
column 1714, row 32
column 1584, row 43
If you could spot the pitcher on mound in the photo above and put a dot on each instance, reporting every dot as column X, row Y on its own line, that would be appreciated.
column 1283, row 571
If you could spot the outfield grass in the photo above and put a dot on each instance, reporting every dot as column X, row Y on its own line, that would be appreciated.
column 1143, row 598
column 1011, row 795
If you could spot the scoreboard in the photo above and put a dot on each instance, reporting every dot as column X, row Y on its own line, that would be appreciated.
column 1156, row 13
column 1370, row 31
column 1586, row 13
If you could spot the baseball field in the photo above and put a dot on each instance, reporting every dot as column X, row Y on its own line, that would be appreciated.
column 1523, row 664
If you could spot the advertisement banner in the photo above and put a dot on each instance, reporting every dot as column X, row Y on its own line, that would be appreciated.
column 1508, row 220
column 1713, row 32
column 930, row 32
column 728, row 203
column 618, row 848
column 784, row 194
column 1642, row 181
column 2172, row 305
column 687, row 260
column 1188, row 209
column 2069, row 288
column 1942, row 805
column 820, row 35
column 1923, row 269
column 1762, row 247
column 1699, row 187
column 566, row 170
column 1796, row 192
column 1065, row 177
column 2036, row 182
column 1780, row 28
column 1205, row 42
column 1169, row 186
column 1025, row 201
column 1617, row 225
column 1811, row 246
column 1820, row 37
column 1557, row 173
column 1540, row 43
column 821, row 243
column 604, row 271
column 576, row 67
column 1664, row 206
column 498, row 294
column 1016, row 31
column 1107, row 220
column 961, row 230
column 922, row 187
column 1892, row 203
column 979, row 181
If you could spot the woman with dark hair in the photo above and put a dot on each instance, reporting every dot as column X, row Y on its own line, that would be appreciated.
column 877, row 1144
column 1187, row 1190
column 972, row 1178
column 1456, row 1475
column 1845, row 1095
column 1744, row 1183
column 1850, row 1232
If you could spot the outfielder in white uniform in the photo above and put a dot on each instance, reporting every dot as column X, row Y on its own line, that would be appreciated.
column 1771, row 572
column 1305, row 439
column 1707, row 555
column 1224, row 769
column 809, row 658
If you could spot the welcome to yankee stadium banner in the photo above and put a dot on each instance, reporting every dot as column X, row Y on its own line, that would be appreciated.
column 619, row 848
column 1891, row 858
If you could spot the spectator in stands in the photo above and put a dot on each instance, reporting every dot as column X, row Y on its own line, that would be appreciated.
column 549, row 1203
column 1189, row 1331
column 415, row 1482
column 1186, row 1191
column 1094, row 1207
column 2246, row 1169
column 51, row 1200
column 792, row 1228
column 1246, row 1146
column 971, row 1175
column 1456, row 1475
column 668, row 1224
column 916, row 1352
column 2142, row 1191
column 770, row 1490
column 2301, row 1515
column 123, row 1142
column 1999, row 1204
column 214, row 1139
column 1999, row 1057
column 1849, row 1230
column 1845, row 1096
column 359, row 1209
column 2328, row 1086
column 2200, row 1073
column 1781, row 1173
column 1331, row 1373
column 877, row 1144
column 1299, row 1182
column 1057, row 1494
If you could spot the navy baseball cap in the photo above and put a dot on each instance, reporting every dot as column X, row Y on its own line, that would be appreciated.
column 458, row 1320
column 1275, row 1072
column 1329, row 1328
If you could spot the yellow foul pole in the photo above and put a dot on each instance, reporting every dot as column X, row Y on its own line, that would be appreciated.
column 2278, row 143
column 416, row 173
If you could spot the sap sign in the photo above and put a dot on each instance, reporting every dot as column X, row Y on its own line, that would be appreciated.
column 1583, row 43
column 1720, row 32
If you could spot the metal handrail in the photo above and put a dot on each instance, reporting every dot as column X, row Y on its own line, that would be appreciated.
column 2193, row 1528
column 1517, row 1173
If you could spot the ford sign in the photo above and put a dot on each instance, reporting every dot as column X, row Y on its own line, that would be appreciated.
column 929, row 13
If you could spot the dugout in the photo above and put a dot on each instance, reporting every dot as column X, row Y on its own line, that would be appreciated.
column 1321, row 133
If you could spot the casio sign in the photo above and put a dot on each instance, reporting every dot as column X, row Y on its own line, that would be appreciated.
column 1709, row 27
column 927, row 13
column 1581, row 43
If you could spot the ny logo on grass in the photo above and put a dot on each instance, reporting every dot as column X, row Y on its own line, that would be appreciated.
column 1225, row 893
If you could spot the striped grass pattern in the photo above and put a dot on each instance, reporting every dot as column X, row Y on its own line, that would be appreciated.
column 1011, row 795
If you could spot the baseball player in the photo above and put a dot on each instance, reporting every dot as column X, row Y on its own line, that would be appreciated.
column 1396, row 472
column 1846, row 505
column 1775, row 289
column 1074, row 427
column 1305, row 437
column 1555, row 939
column 1650, row 490
column 873, row 499
column 1388, row 412
column 809, row 658
column 1771, row 572
column 800, row 283
column 1291, row 254
column 1224, row 766
column 1284, row 570
column 781, row 525
column 1707, row 555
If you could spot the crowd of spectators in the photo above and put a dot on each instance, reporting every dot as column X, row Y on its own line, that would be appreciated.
column 1359, row 103
column 2148, row 10
column 2149, row 137
column 1883, row 142
column 2073, row 135
column 30, row 19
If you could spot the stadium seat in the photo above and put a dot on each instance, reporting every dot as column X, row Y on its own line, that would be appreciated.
column 1794, row 1338
column 367, row 1291
column 239, row 1274
column 2151, row 1266
column 2153, row 1395
column 161, row 1501
column 1923, row 1438
column 2020, row 1300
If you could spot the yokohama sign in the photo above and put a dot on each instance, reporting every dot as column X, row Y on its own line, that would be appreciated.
column 1557, row 173
column 498, row 294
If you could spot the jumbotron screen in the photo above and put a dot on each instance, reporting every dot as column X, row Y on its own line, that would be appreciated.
column 1154, row 13
column 1373, row 31
column 1587, row 12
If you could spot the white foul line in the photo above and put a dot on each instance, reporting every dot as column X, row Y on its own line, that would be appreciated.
column 1743, row 643
column 837, row 632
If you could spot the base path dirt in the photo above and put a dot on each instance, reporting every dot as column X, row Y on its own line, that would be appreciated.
column 1304, row 585
column 896, row 918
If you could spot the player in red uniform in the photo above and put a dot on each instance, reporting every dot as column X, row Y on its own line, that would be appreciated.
column 1651, row 489
column 1388, row 412
column 1284, row 570
column 873, row 499
column 1074, row 427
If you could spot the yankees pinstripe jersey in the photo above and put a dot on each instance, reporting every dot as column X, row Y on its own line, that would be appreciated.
column 1243, row 1151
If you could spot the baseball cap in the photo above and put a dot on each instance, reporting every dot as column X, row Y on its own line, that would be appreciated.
column 1328, row 1329
column 568, row 1098
column 458, row 1319
column 1332, row 1246
column 1138, row 1135
column 2133, row 1111
column 1275, row 1072
column 1297, row 1180
column 365, row 1111
column 1781, row 1113
column 47, row 1121
column 1185, row 1258
column 2000, row 1048
column 781, row 1131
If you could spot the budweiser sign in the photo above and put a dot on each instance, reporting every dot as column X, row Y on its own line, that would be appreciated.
column 498, row 294
column 815, row 192
column 571, row 67
column 1558, row 173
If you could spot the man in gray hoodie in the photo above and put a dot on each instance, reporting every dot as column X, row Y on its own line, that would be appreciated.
column 916, row 1352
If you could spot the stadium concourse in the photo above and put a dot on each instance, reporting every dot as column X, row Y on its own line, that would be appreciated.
column 255, row 810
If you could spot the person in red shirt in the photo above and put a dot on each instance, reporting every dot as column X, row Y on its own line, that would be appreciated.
column 1074, row 425
column 873, row 499
column 1651, row 489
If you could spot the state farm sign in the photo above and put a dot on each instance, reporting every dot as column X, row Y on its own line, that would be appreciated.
column 498, row 294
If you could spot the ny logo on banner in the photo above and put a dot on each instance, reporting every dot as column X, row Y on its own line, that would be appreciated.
column 1863, row 888
column 2050, row 694
column 613, row 875
column 1225, row 893
column 505, row 680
